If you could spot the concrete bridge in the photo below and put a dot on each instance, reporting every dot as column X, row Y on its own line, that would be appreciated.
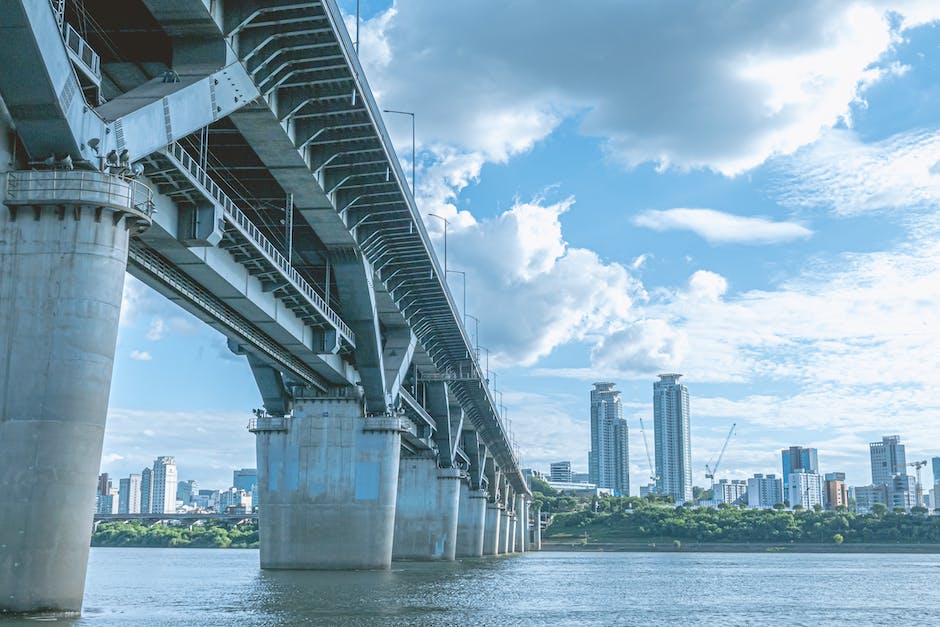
column 232, row 157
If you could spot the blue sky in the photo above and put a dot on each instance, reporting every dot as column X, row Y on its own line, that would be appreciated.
column 749, row 197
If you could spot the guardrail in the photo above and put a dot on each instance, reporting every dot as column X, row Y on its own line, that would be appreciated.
column 237, row 217
column 81, row 51
column 267, row 423
column 78, row 187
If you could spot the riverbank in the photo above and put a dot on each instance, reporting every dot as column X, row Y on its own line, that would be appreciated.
column 643, row 546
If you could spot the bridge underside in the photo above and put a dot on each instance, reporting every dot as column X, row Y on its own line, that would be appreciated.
column 232, row 158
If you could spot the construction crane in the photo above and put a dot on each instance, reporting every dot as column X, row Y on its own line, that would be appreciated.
column 920, row 490
column 711, row 470
column 653, row 476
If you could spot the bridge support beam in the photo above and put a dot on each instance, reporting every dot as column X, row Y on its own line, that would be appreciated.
column 491, row 533
column 471, row 521
column 327, row 487
column 426, row 514
column 522, row 523
column 62, row 266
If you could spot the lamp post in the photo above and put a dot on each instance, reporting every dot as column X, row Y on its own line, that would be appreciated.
column 446, row 224
column 464, row 275
column 483, row 348
column 411, row 113
column 476, row 333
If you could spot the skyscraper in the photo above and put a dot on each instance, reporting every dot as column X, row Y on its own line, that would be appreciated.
column 129, row 495
column 245, row 479
column 164, row 486
column 764, row 492
column 887, row 459
column 673, row 443
column 146, row 491
column 935, row 463
column 796, row 459
column 609, row 460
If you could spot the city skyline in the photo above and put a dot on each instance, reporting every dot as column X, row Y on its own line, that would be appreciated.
column 793, row 284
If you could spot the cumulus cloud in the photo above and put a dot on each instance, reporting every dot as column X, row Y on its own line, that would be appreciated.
column 155, row 332
column 718, row 227
column 723, row 90
column 532, row 290
column 140, row 355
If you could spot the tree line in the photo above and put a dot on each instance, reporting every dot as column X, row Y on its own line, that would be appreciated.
column 213, row 534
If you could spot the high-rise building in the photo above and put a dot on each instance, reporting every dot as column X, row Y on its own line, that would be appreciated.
column 609, row 459
column 795, row 459
column 887, row 459
column 186, row 491
column 672, row 436
column 107, row 503
column 164, row 486
column 935, row 464
column 146, row 491
column 868, row 495
column 730, row 492
column 129, row 495
column 835, row 492
column 806, row 489
column 245, row 478
column 561, row 472
column 104, row 484
column 764, row 491
column 902, row 492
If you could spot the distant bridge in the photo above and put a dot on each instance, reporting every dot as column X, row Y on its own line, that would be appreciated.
column 189, row 519
column 232, row 157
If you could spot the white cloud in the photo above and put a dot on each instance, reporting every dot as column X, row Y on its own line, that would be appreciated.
column 849, row 177
column 140, row 355
column 208, row 460
column 690, row 88
column 531, row 290
column 155, row 332
column 718, row 227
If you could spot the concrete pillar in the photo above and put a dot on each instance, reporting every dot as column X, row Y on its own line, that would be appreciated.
column 63, row 253
column 327, row 487
column 491, row 531
column 537, row 530
column 522, row 523
column 505, row 532
column 471, row 522
column 513, row 533
column 426, row 514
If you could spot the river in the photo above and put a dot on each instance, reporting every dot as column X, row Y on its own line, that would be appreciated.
column 225, row 587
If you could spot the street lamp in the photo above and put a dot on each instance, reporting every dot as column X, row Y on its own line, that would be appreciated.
column 464, row 275
column 446, row 224
column 412, row 143
column 476, row 324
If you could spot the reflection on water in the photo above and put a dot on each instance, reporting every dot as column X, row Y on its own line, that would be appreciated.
column 225, row 587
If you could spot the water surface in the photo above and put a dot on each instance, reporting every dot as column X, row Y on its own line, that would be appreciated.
column 225, row 587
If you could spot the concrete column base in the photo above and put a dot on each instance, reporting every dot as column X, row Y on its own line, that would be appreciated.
column 61, row 279
column 471, row 522
column 505, row 532
column 327, row 488
column 491, row 531
column 522, row 524
column 426, row 512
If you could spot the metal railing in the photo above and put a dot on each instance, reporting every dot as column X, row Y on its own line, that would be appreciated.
column 267, row 423
column 78, row 187
column 81, row 51
column 238, row 218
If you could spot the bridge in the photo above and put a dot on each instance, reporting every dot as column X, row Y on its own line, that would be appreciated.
column 188, row 519
column 232, row 157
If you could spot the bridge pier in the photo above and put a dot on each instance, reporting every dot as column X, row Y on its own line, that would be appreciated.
column 327, row 486
column 522, row 523
column 63, row 252
column 426, row 512
column 471, row 522
column 505, row 532
column 491, row 533
column 537, row 531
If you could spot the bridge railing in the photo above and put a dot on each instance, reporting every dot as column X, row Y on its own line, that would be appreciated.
column 238, row 217
column 79, row 187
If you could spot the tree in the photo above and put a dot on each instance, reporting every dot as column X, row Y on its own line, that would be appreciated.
column 779, row 506
column 838, row 539
column 879, row 509
column 817, row 507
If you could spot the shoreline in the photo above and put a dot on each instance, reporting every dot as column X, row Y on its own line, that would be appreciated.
column 735, row 547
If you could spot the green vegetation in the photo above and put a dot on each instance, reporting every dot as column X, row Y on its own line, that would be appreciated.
column 651, row 520
column 214, row 534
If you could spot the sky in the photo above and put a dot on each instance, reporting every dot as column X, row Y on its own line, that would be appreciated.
column 748, row 196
